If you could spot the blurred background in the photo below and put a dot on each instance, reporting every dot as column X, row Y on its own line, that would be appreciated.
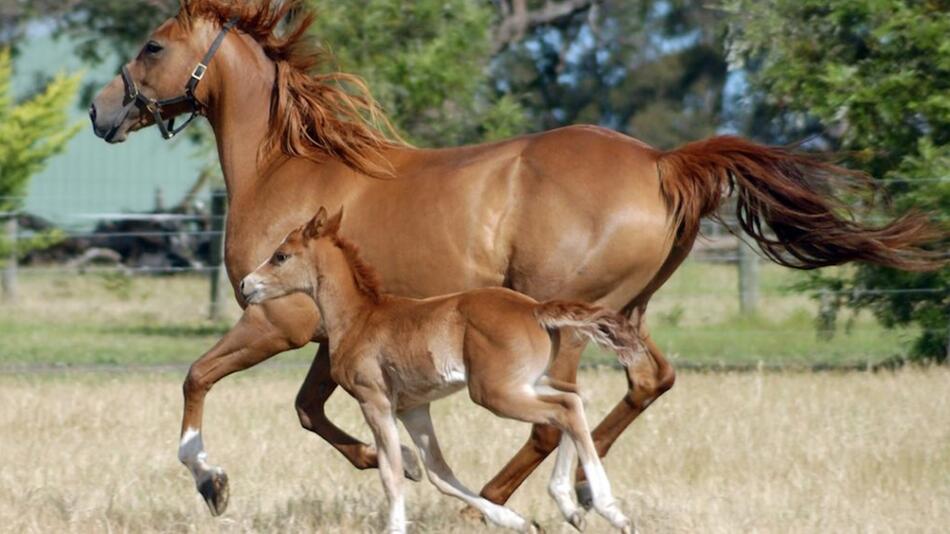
column 111, row 254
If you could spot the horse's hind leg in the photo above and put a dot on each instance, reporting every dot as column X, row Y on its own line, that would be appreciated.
column 418, row 423
column 646, row 381
column 544, row 438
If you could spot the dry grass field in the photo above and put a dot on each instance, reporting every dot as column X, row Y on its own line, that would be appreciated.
column 793, row 452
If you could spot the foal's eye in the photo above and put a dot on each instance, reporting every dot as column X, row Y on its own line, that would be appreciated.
column 152, row 47
column 280, row 257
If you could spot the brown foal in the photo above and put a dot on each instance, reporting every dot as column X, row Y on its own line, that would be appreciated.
column 579, row 213
column 396, row 355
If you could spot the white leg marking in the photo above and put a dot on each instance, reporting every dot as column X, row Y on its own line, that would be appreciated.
column 191, row 452
column 603, row 499
column 560, row 486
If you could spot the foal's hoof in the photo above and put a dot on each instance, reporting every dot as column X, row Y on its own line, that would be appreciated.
column 411, row 467
column 629, row 528
column 585, row 497
column 577, row 521
column 215, row 491
column 470, row 514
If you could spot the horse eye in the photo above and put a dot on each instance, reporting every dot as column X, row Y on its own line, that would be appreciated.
column 153, row 48
column 280, row 257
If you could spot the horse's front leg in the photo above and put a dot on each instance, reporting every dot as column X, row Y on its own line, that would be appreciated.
column 311, row 410
column 263, row 331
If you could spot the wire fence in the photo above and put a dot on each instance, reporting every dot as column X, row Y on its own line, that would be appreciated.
column 190, row 244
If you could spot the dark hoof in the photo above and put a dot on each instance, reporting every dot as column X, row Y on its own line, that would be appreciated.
column 411, row 467
column 215, row 491
column 585, row 497
column 534, row 528
column 577, row 521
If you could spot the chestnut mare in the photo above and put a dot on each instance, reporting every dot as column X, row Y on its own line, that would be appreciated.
column 396, row 355
column 580, row 213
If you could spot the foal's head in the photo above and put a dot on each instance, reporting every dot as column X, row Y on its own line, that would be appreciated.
column 295, row 265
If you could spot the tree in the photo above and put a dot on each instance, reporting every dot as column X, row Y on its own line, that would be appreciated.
column 653, row 69
column 426, row 62
column 31, row 132
column 876, row 74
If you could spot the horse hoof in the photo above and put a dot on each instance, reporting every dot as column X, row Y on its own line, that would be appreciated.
column 214, row 489
column 628, row 529
column 585, row 497
column 471, row 514
column 577, row 521
column 411, row 467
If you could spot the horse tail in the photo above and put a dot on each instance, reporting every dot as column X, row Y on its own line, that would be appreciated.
column 602, row 326
column 785, row 202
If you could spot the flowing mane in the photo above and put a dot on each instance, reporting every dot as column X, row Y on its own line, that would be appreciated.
column 367, row 281
column 313, row 115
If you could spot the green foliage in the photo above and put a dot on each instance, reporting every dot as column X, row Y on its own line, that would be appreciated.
column 876, row 73
column 31, row 132
column 426, row 62
column 654, row 69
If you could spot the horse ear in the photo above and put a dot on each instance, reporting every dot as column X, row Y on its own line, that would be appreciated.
column 333, row 225
column 315, row 227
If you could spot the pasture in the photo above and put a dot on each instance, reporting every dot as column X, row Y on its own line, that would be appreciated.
column 93, row 448
column 751, row 452
column 92, row 319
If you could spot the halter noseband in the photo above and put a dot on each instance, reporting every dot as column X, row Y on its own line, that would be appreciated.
column 135, row 98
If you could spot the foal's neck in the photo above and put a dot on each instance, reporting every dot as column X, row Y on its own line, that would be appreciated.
column 342, row 303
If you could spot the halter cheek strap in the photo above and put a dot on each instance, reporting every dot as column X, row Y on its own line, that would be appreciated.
column 135, row 98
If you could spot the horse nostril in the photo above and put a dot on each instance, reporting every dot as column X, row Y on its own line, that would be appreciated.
column 241, row 287
column 92, row 112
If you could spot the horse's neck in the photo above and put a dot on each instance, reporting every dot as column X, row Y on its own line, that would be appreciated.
column 340, row 301
column 240, row 114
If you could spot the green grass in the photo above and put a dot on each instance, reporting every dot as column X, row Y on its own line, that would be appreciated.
column 89, row 319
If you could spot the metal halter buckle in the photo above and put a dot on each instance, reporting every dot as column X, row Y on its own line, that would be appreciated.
column 199, row 72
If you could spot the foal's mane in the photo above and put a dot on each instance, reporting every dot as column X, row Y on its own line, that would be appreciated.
column 313, row 115
column 367, row 281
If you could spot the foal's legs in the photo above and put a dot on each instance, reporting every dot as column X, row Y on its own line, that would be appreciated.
column 544, row 438
column 646, row 381
column 378, row 412
column 262, row 332
column 560, row 485
column 311, row 402
column 418, row 423
column 564, row 410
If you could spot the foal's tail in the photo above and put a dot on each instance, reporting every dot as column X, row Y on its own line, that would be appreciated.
column 602, row 326
column 786, row 203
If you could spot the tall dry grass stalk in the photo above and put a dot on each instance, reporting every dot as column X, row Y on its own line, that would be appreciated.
column 719, row 453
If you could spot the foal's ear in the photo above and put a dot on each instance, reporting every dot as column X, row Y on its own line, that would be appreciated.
column 314, row 228
column 333, row 225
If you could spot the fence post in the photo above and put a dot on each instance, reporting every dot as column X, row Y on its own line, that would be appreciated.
column 219, row 204
column 9, row 270
column 748, row 279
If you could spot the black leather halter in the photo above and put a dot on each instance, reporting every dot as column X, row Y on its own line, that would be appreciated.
column 135, row 98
